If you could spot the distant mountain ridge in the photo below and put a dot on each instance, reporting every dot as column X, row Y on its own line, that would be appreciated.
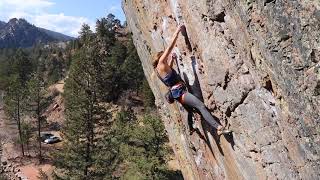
column 2, row 24
column 56, row 35
column 20, row 33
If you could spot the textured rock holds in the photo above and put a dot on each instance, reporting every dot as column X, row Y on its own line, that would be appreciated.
column 256, row 66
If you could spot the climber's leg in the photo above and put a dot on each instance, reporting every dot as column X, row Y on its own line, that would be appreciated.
column 190, row 100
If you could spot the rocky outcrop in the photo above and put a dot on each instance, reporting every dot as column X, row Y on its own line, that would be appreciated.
column 11, row 171
column 256, row 66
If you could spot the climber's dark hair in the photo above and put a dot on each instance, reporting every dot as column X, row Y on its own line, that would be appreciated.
column 155, row 58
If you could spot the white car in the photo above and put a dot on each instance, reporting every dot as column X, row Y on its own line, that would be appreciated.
column 52, row 140
column 45, row 135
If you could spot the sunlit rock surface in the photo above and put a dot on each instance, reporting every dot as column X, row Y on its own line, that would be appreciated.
column 256, row 65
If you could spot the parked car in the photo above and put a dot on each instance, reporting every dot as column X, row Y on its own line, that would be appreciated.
column 45, row 136
column 52, row 140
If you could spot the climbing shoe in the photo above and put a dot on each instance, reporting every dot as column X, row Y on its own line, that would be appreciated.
column 223, row 130
column 226, row 131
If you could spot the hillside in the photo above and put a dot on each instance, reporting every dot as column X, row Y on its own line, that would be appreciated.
column 20, row 33
column 2, row 24
column 56, row 35
column 256, row 65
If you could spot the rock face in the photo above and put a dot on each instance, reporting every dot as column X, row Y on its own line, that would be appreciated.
column 256, row 66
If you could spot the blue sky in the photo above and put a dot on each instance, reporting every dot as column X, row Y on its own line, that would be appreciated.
column 65, row 16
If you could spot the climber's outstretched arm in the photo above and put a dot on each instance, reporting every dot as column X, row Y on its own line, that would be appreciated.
column 166, row 53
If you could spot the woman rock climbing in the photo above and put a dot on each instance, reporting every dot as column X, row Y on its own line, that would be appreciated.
column 177, row 89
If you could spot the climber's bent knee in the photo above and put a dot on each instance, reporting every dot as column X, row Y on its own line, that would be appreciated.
column 181, row 98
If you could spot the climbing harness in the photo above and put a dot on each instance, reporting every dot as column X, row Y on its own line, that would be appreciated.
column 174, row 92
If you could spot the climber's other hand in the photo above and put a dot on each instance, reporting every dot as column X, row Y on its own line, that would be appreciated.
column 182, row 27
column 183, row 30
column 174, row 56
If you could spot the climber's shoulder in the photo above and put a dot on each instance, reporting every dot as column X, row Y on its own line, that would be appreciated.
column 162, row 67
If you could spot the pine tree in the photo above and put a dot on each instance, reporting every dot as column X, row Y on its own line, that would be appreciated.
column 22, row 66
column 148, row 97
column 135, row 149
column 84, row 111
column 55, row 69
column 20, row 70
column 14, row 99
column 36, row 102
column 106, row 32
column 26, row 134
column 132, row 71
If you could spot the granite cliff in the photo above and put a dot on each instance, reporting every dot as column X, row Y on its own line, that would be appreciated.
column 256, row 66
